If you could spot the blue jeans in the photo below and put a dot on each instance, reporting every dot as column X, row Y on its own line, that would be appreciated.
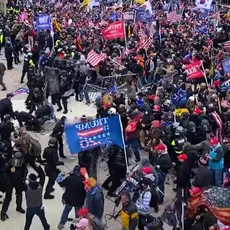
column 217, row 177
column 66, row 212
column 134, row 144
column 39, row 211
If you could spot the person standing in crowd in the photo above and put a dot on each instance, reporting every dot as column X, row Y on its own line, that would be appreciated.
column 58, row 133
column 216, row 161
column 51, row 157
column 73, row 184
column 183, row 176
column 128, row 214
column 203, row 178
column 94, row 198
column 9, row 55
column 34, row 199
column 2, row 72
column 162, row 163
column 6, row 106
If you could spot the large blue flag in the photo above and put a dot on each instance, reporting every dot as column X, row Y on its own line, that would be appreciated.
column 84, row 136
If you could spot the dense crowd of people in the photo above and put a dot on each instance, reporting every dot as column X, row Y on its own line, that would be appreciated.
column 168, row 81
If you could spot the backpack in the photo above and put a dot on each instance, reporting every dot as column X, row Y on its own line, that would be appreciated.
column 35, row 148
column 154, row 197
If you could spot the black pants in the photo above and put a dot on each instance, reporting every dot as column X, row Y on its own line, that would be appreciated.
column 60, row 146
column 8, row 197
column 24, row 71
column 52, row 175
column 9, row 61
column 39, row 211
column 64, row 103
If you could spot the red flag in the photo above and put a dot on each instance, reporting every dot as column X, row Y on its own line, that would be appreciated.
column 114, row 30
column 193, row 70
column 94, row 59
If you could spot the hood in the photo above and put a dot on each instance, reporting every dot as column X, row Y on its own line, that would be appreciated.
column 145, row 162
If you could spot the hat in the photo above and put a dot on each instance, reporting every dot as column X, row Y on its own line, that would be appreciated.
column 197, row 111
column 155, row 124
column 82, row 212
column 132, row 126
column 156, row 108
column 182, row 156
column 160, row 147
column 214, row 141
column 32, row 177
column 91, row 182
column 146, row 170
column 82, row 223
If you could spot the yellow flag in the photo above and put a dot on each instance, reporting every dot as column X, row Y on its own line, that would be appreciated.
column 85, row 3
column 56, row 24
column 212, row 71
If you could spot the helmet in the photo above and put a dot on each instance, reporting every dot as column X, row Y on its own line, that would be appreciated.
column 179, row 130
column 112, row 111
column 7, row 117
column 192, row 126
column 36, row 90
column 52, row 141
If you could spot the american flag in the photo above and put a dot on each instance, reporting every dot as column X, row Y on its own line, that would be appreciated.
column 227, row 46
column 216, row 199
column 174, row 16
column 21, row 90
column 141, row 34
column 145, row 44
column 94, row 59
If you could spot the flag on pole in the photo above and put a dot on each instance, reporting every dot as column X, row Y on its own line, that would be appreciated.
column 174, row 16
column 114, row 30
column 145, row 44
column 94, row 59
column 204, row 4
column 89, row 135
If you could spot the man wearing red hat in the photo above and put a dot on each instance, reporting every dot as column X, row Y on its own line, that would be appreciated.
column 183, row 175
column 216, row 161
column 163, row 163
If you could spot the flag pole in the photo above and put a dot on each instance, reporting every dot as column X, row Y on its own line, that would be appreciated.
column 123, row 140
column 125, row 35
column 205, row 76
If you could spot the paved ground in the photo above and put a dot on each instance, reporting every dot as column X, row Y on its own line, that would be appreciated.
column 54, row 207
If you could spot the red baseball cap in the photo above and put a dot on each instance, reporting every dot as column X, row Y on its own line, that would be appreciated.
column 214, row 141
column 182, row 156
column 160, row 147
column 146, row 170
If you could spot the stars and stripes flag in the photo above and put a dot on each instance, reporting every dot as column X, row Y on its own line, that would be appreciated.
column 227, row 46
column 174, row 16
column 141, row 34
column 216, row 199
column 94, row 59
column 145, row 44
column 21, row 90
